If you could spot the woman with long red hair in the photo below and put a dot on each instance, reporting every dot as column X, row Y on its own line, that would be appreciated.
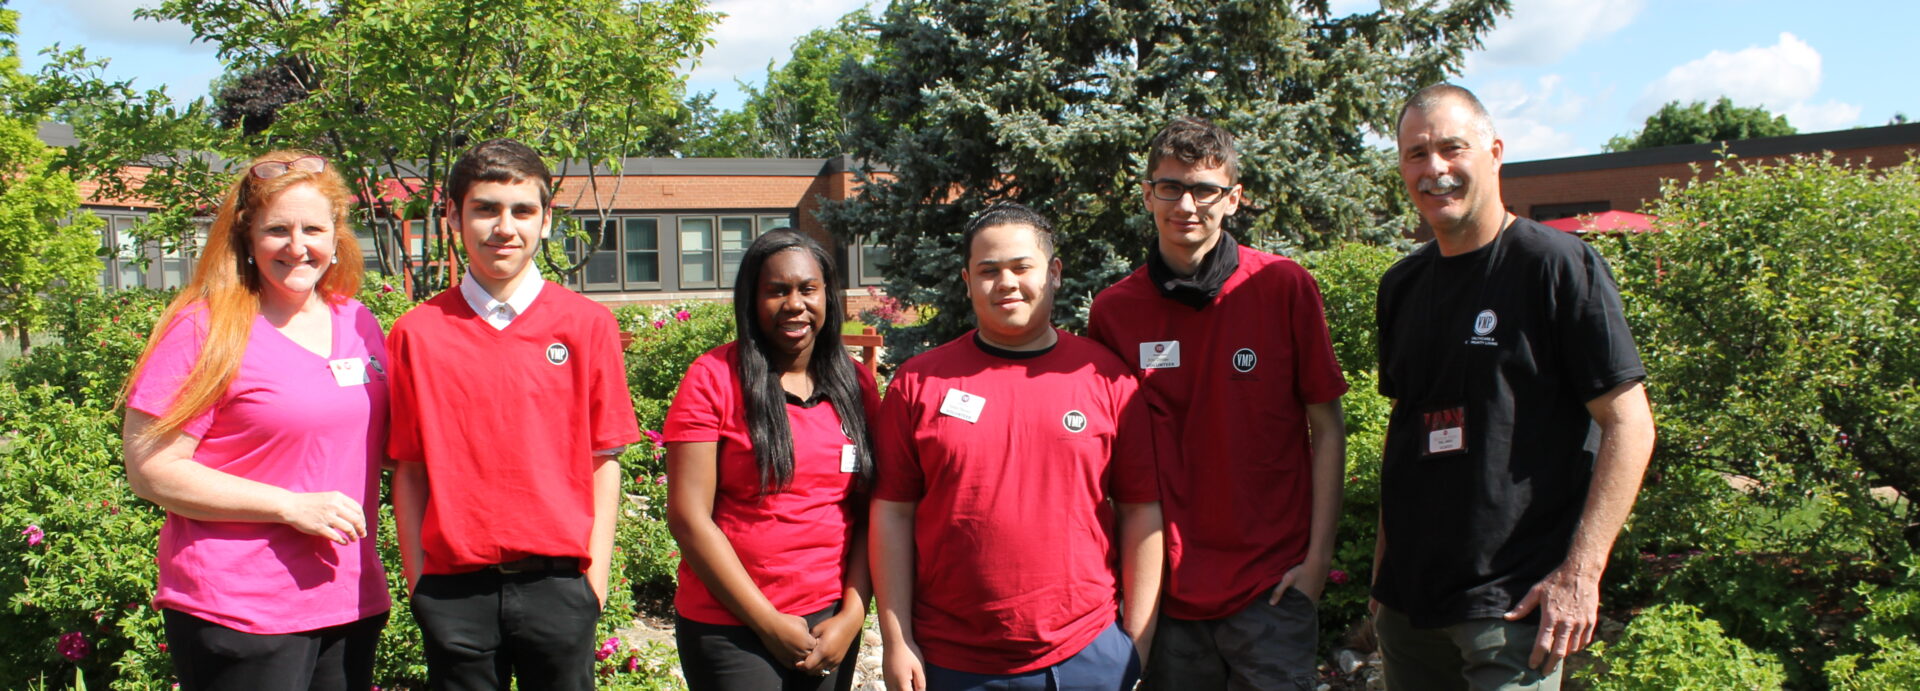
column 257, row 418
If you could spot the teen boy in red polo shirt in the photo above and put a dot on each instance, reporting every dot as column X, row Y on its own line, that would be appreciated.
column 1003, row 456
column 510, row 405
column 1233, row 342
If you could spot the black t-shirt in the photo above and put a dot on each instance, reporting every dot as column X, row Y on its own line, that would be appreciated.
column 1520, row 334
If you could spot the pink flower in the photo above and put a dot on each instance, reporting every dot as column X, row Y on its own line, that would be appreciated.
column 74, row 645
column 1337, row 577
column 660, row 480
column 682, row 315
column 386, row 289
column 607, row 649
column 659, row 440
column 34, row 535
column 659, row 323
column 633, row 663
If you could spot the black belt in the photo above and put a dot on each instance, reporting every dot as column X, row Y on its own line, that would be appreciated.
column 535, row 565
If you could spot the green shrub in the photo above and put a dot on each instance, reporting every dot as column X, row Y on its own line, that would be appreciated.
column 1895, row 666
column 96, row 344
column 1674, row 648
column 76, row 548
column 384, row 297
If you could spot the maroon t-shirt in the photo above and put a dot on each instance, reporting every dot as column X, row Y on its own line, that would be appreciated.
column 1235, row 376
column 792, row 542
column 1015, row 556
column 506, row 421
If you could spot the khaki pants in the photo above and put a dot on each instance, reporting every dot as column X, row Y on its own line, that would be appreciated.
column 1473, row 655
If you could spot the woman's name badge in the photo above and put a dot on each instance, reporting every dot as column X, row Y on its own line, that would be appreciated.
column 1446, row 430
column 849, row 458
column 348, row 371
column 962, row 405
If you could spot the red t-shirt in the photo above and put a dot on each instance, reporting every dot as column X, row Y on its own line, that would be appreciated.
column 1236, row 376
column 1015, row 557
column 507, row 421
column 792, row 543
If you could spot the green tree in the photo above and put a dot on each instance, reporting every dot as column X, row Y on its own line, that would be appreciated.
column 396, row 90
column 47, row 246
column 1696, row 123
column 1051, row 104
column 798, row 113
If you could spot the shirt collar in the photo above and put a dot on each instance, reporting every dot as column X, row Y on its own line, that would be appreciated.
column 483, row 303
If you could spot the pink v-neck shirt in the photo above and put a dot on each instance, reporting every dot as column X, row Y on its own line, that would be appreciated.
column 286, row 420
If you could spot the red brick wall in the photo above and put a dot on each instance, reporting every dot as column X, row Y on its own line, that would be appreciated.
column 674, row 192
column 1628, row 189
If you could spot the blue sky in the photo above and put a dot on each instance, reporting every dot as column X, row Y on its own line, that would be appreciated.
column 1560, row 76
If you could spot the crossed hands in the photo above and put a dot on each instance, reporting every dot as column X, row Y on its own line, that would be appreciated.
column 816, row 650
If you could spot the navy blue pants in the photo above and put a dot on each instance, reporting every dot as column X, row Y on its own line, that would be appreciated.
column 1109, row 663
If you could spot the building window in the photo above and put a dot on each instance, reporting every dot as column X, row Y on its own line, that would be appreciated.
column 736, row 232
column 871, row 259
column 1552, row 212
column 642, row 253
column 602, row 271
column 696, row 253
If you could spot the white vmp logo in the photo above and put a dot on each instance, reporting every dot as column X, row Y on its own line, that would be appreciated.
column 1244, row 360
column 557, row 353
column 1074, row 421
column 1484, row 322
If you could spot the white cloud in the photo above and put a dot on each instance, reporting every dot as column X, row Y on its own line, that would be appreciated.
column 1530, row 118
column 1823, row 117
column 112, row 22
column 1541, row 32
column 1783, row 78
column 1342, row 8
column 756, row 31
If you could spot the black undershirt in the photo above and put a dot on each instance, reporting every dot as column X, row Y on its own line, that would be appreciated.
column 1199, row 290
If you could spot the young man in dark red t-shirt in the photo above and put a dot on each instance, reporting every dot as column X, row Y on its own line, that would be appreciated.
column 1233, row 343
column 510, row 406
column 1015, row 471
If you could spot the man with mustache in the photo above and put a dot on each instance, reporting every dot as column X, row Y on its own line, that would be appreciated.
column 1519, row 430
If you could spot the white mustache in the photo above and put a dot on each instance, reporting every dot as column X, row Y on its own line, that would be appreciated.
column 1442, row 184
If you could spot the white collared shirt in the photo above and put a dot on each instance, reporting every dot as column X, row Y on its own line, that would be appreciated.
column 499, row 313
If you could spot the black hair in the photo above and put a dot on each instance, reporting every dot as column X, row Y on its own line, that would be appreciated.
column 497, row 160
column 830, row 368
column 1005, row 214
column 1196, row 142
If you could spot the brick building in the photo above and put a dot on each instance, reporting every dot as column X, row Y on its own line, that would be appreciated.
column 678, row 227
column 1628, row 180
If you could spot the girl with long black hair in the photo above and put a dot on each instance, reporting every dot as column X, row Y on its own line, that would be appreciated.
column 767, row 466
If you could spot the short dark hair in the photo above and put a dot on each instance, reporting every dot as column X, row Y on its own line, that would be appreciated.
column 1196, row 142
column 1425, row 100
column 1006, row 214
column 497, row 160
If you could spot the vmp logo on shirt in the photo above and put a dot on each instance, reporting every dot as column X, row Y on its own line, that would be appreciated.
column 1244, row 360
column 1483, row 324
column 1075, row 421
column 557, row 353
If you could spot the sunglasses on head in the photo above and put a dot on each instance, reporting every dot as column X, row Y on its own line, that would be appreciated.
column 268, row 170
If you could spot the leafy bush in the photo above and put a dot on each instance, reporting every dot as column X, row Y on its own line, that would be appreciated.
column 1675, row 648
column 1895, row 666
column 95, row 345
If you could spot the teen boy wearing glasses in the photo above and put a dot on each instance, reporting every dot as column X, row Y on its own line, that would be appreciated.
column 510, row 405
column 1233, row 343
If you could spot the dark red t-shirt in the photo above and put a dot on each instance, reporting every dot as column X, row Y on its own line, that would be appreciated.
column 1236, row 375
column 1015, row 555
column 793, row 543
column 506, row 421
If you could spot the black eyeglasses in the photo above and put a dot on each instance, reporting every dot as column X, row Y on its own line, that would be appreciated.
column 1173, row 190
column 268, row 170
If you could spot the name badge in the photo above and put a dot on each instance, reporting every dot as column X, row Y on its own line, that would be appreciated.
column 1446, row 429
column 849, row 458
column 348, row 371
column 1159, row 355
column 963, row 405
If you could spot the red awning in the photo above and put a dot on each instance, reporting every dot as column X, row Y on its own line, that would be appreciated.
column 1604, row 222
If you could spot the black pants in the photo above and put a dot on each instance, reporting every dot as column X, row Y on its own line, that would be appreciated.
column 213, row 657
column 483, row 628
column 731, row 658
